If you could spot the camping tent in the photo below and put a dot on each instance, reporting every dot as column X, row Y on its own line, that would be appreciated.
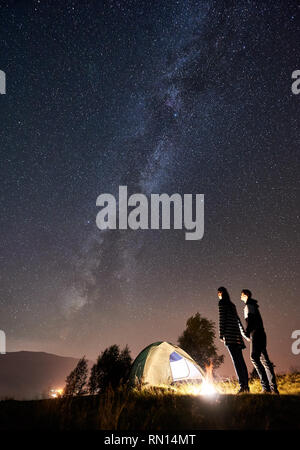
column 164, row 363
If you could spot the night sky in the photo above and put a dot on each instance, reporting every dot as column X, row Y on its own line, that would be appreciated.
column 162, row 96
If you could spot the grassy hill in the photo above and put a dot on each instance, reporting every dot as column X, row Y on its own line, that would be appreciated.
column 159, row 409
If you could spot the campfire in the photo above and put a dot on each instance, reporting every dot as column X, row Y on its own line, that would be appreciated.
column 207, row 386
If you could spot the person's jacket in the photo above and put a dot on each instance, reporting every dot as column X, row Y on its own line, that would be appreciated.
column 253, row 318
column 230, row 326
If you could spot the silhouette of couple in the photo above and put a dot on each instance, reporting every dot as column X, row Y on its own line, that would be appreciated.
column 232, row 333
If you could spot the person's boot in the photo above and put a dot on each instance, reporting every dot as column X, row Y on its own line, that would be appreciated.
column 244, row 390
column 275, row 391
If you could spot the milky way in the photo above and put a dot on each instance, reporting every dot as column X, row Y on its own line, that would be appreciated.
column 185, row 96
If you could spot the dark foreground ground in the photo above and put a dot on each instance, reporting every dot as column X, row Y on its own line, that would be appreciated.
column 154, row 411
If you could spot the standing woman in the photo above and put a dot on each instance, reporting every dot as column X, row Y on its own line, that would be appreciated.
column 231, row 331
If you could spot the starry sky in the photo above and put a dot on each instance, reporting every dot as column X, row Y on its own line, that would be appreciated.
column 186, row 96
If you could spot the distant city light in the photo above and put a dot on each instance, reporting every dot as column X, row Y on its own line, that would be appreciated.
column 55, row 393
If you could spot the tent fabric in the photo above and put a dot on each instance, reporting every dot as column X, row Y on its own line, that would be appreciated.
column 164, row 363
column 139, row 363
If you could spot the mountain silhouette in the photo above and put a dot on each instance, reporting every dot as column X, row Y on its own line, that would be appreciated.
column 30, row 375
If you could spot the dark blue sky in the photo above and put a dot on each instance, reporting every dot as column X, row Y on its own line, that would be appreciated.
column 173, row 96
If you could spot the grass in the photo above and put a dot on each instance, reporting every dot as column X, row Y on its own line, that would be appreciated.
column 288, row 384
column 161, row 408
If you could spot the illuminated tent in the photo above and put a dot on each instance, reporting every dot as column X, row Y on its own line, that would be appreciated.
column 164, row 363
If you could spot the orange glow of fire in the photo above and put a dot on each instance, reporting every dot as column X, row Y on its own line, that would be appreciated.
column 207, row 387
column 209, row 371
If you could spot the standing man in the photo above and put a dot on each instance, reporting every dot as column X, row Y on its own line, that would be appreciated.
column 230, row 334
column 255, row 331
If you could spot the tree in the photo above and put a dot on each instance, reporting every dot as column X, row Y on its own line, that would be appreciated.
column 112, row 367
column 93, row 381
column 198, row 340
column 76, row 380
